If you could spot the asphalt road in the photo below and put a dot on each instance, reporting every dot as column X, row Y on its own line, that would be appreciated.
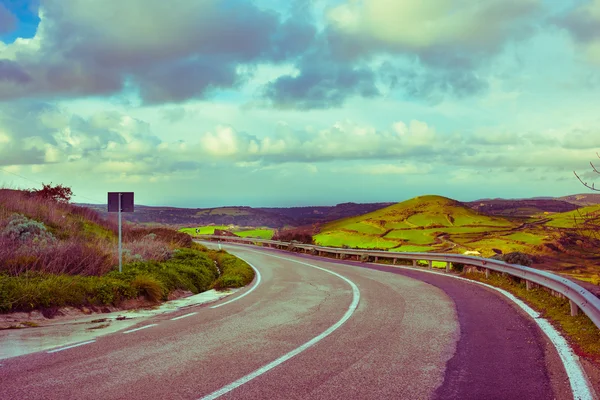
column 311, row 329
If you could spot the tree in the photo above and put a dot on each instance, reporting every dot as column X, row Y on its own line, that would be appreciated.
column 585, row 183
column 58, row 193
column 589, row 228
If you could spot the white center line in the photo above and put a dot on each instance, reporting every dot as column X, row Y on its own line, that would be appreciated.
column 71, row 346
column 258, row 278
column 298, row 350
column 184, row 316
column 139, row 329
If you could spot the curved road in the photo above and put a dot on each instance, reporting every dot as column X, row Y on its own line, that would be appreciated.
column 311, row 329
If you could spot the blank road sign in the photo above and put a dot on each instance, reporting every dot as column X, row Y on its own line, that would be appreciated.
column 126, row 201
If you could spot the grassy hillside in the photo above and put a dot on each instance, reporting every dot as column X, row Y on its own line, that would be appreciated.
column 55, row 254
column 419, row 224
column 562, row 242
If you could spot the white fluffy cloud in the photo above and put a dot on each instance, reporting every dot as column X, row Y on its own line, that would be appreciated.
column 418, row 24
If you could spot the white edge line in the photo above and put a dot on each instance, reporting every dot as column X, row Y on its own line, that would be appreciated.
column 71, row 346
column 258, row 278
column 139, row 329
column 184, row 316
column 578, row 381
column 298, row 350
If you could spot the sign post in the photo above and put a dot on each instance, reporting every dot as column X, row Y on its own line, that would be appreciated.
column 120, row 202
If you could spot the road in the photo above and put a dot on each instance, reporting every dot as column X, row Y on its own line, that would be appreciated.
column 311, row 329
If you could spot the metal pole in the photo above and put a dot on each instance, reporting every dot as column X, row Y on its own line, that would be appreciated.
column 120, row 238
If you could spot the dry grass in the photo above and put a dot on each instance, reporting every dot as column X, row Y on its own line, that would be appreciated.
column 47, row 236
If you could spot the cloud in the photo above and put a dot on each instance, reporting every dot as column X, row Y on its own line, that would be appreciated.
column 583, row 23
column 426, row 26
column 8, row 22
column 321, row 83
column 433, row 48
column 167, row 52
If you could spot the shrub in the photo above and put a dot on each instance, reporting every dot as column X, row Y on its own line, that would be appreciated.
column 148, row 248
column 58, row 193
column 459, row 267
column 518, row 258
column 148, row 287
column 234, row 272
column 22, row 229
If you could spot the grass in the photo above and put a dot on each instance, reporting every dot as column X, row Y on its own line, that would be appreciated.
column 234, row 272
column 55, row 254
column 262, row 233
column 204, row 230
column 581, row 332
column 188, row 269
column 415, row 222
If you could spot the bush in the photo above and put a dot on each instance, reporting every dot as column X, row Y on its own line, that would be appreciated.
column 234, row 272
column 22, row 229
column 517, row 258
column 459, row 267
column 148, row 287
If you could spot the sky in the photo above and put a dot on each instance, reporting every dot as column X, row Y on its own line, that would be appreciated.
column 206, row 103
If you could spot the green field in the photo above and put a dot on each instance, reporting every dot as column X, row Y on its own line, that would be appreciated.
column 204, row 230
column 573, row 219
column 262, row 233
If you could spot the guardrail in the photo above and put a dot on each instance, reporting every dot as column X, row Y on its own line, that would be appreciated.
column 579, row 298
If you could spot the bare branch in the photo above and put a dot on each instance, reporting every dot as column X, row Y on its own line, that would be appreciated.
column 585, row 184
column 594, row 168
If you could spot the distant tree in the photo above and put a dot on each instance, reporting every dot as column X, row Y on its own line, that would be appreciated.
column 58, row 193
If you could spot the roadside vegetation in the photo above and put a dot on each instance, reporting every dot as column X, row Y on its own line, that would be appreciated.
column 55, row 254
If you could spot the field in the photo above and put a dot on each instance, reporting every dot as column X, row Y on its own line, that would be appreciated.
column 434, row 223
column 262, row 233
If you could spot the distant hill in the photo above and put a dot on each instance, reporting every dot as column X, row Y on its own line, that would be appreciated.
column 279, row 217
column 241, row 216
column 585, row 199
column 521, row 207
column 319, row 214
column 413, row 225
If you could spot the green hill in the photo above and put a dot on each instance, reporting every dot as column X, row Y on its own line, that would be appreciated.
column 423, row 223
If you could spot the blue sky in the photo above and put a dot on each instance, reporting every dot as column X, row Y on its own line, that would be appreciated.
column 267, row 103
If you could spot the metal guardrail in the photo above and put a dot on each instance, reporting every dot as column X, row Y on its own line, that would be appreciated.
column 579, row 298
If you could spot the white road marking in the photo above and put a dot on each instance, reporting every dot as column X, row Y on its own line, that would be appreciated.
column 258, row 278
column 71, row 346
column 580, row 386
column 310, row 343
column 184, row 316
column 139, row 329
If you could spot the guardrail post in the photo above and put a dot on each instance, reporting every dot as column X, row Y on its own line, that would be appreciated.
column 528, row 285
column 447, row 266
column 414, row 263
column 430, row 263
column 394, row 261
column 487, row 273
column 376, row 258
column 574, row 308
